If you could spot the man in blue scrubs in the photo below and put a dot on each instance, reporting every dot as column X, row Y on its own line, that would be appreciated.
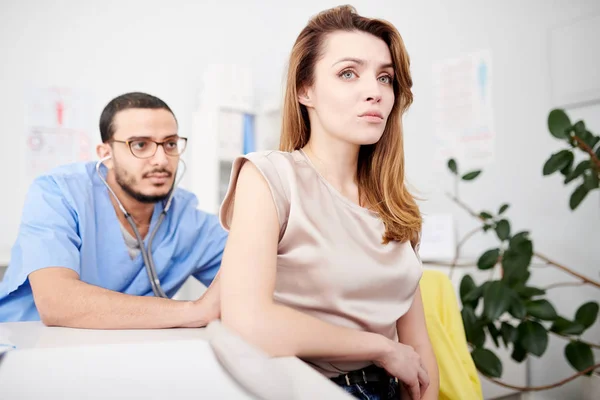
column 76, row 261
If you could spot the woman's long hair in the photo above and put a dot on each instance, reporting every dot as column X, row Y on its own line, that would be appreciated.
column 380, row 172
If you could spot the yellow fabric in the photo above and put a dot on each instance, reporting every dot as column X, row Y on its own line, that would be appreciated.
column 459, row 379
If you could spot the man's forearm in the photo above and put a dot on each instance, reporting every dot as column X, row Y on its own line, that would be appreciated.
column 81, row 305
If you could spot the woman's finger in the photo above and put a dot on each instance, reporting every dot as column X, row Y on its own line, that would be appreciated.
column 423, row 379
column 415, row 390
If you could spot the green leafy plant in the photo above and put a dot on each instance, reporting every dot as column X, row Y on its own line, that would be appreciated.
column 509, row 310
column 587, row 171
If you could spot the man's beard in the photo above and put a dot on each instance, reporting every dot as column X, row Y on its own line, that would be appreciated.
column 127, row 185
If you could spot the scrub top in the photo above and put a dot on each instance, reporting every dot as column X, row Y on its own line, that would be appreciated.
column 69, row 221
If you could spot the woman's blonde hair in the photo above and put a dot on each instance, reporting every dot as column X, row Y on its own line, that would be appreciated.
column 381, row 165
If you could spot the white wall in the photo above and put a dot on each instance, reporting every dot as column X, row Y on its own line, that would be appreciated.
column 110, row 47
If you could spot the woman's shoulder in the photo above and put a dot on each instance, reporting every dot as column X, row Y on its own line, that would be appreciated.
column 275, row 167
column 282, row 162
column 274, row 156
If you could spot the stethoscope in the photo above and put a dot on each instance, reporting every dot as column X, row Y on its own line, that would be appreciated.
column 146, row 252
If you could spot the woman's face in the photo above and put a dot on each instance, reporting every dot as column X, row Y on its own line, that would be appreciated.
column 352, row 94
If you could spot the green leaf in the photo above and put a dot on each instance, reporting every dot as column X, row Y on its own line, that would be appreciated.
column 593, row 141
column 496, row 300
column 563, row 326
column 579, row 127
column 503, row 208
column 528, row 292
column 494, row 333
column 516, row 259
column 521, row 243
column 586, row 136
column 586, row 314
column 566, row 170
column 487, row 362
column 469, row 319
column 466, row 285
column 579, row 355
column 541, row 309
column 515, row 277
column 488, row 259
column 578, row 171
column 485, row 215
column 487, row 227
column 558, row 161
column 517, row 308
column 471, row 175
column 484, row 287
column 473, row 330
column 519, row 353
column 472, row 298
column 559, row 124
column 533, row 337
column 509, row 333
column 590, row 180
column 578, row 196
column 452, row 166
column 503, row 229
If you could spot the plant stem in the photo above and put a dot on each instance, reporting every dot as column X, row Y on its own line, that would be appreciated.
column 583, row 146
column 456, row 184
column 459, row 246
column 570, row 338
column 567, row 270
column 544, row 387
column 538, row 255
column 563, row 284
column 594, row 345
column 464, row 206
column 539, row 265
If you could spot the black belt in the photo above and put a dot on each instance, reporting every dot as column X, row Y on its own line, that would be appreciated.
column 372, row 373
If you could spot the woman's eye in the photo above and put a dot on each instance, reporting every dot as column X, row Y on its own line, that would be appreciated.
column 385, row 79
column 347, row 74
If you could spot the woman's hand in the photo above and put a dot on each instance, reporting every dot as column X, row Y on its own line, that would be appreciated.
column 404, row 363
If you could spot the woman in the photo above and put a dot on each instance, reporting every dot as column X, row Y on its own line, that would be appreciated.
column 320, row 260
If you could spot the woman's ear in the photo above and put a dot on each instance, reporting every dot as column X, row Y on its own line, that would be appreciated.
column 304, row 97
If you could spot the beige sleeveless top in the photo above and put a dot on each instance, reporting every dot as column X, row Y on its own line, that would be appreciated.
column 331, row 263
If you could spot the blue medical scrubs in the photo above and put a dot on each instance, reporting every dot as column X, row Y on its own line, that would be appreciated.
column 69, row 221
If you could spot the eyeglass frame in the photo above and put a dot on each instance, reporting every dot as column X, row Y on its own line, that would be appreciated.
column 128, row 143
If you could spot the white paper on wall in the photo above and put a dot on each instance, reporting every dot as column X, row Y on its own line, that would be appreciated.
column 57, row 133
column 463, row 111
column 438, row 239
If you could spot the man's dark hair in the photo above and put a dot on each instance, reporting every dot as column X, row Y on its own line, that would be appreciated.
column 124, row 102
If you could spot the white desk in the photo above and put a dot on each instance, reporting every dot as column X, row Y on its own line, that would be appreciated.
column 64, row 363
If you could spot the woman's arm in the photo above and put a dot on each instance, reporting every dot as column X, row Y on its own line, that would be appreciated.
column 412, row 331
column 248, row 272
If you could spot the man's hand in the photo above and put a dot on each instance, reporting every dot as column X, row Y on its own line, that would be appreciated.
column 207, row 308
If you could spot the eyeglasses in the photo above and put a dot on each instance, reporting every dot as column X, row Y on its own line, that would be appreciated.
column 146, row 147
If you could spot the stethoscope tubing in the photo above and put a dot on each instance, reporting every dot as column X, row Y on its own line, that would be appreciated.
column 146, row 252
